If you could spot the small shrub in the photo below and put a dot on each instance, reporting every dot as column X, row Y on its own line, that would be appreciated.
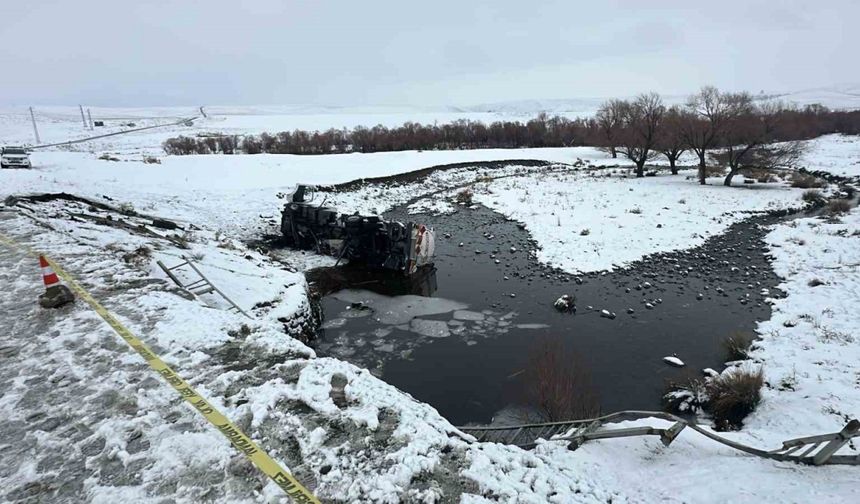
column 738, row 345
column 585, row 232
column 227, row 144
column 734, row 395
column 557, row 384
column 831, row 336
column 812, row 196
column 805, row 181
column 685, row 396
column 635, row 210
column 465, row 196
column 139, row 257
column 180, row 146
column 126, row 208
column 715, row 171
column 108, row 157
column 151, row 160
column 838, row 206
column 252, row 145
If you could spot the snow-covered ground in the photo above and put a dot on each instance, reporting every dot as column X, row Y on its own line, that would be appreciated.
column 837, row 154
column 83, row 412
column 231, row 192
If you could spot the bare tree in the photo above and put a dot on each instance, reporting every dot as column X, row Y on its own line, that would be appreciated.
column 609, row 119
column 670, row 141
column 640, row 124
column 703, row 123
column 749, row 135
column 557, row 384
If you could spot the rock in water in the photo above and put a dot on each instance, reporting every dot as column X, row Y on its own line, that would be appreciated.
column 565, row 303
column 673, row 361
column 56, row 296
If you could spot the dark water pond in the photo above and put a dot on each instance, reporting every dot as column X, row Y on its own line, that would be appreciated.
column 459, row 338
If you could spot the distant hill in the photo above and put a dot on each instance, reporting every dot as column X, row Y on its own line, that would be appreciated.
column 846, row 96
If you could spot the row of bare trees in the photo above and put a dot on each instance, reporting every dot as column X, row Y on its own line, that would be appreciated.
column 542, row 131
column 737, row 131
column 734, row 129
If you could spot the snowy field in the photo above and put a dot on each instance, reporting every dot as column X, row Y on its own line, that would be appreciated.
column 86, row 420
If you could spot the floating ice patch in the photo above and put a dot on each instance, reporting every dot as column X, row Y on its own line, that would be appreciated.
column 352, row 312
column 431, row 206
column 532, row 326
column 334, row 323
column 382, row 332
column 468, row 315
column 387, row 348
column 432, row 328
column 400, row 309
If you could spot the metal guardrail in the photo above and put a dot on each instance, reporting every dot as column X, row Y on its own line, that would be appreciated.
column 812, row 450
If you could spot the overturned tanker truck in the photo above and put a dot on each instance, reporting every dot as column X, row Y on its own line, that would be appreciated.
column 370, row 240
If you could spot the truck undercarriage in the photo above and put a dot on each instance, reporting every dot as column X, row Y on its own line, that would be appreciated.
column 370, row 240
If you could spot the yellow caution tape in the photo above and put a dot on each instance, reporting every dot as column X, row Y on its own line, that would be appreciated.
column 238, row 439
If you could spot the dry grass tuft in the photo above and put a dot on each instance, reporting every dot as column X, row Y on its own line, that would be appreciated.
column 733, row 396
column 838, row 206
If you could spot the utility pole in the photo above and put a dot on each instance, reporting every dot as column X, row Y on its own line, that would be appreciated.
column 35, row 129
column 90, row 117
column 83, row 119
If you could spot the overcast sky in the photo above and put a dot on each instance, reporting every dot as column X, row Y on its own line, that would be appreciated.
column 184, row 52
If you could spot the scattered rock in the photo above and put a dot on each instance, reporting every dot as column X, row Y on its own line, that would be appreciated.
column 56, row 296
column 673, row 360
column 338, row 393
column 164, row 224
column 566, row 304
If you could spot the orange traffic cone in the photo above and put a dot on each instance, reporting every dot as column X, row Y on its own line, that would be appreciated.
column 56, row 294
